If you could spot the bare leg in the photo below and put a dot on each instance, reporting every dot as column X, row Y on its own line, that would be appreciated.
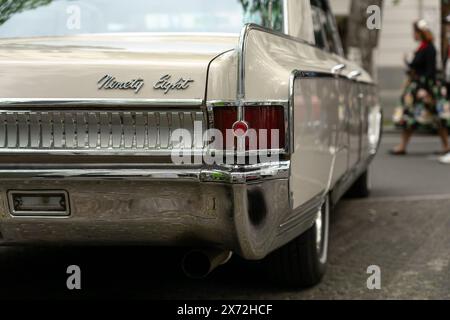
column 443, row 133
column 406, row 137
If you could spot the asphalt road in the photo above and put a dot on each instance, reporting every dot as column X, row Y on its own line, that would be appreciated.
column 404, row 228
column 417, row 174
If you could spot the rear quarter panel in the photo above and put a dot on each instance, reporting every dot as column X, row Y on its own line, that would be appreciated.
column 329, row 120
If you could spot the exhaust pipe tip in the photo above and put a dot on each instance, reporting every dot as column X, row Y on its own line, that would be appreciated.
column 198, row 264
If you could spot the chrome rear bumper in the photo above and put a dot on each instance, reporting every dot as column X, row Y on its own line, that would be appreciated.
column 237, row 208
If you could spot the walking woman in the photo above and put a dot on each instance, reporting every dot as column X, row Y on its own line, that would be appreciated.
column 420, row 96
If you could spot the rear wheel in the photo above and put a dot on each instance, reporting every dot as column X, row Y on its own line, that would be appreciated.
column 361, row 187
column 302, row 262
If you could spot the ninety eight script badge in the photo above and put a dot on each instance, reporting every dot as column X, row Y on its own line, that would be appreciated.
column 166, row 85
column 110, row 83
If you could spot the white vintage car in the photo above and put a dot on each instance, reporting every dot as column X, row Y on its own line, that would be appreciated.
column 112, row 114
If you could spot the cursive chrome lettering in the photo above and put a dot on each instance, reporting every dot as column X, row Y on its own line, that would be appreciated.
column 110, row 83
column 165, row 84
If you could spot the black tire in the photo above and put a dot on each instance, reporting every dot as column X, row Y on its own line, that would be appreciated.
column 301, row 263
column 361, row 187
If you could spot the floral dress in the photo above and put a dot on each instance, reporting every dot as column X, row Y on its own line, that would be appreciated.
column 424, row 99
column 443, row 106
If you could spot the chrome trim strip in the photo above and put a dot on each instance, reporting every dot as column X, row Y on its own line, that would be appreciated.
column 98, row 152
column 265, row 103
column 241, row 62
column 301, row 213
column 300, row 220
column 104, row 174
column 232, row 174
column 246, row 103
column 318, row 74
column 248, row 174
column 291, row 117
column 40, row 102
column 241, row 70
column 156, row 153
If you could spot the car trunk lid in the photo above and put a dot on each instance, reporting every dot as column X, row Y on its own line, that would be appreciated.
column 126, row 66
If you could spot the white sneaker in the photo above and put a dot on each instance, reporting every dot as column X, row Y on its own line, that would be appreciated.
column 445, row 159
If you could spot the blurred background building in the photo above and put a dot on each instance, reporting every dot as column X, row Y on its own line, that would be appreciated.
column 396, row 40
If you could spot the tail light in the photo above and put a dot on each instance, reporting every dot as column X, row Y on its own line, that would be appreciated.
column 260, row 126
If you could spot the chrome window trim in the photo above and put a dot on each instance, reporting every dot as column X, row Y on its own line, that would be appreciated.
column 336, row 35
column 285, row 17
column 320, row 13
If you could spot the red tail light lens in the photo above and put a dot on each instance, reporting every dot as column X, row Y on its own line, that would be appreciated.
column 270, row 118
column 224, row 118
column 262, row 123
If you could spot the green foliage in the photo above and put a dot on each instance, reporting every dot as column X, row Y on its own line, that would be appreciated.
column 261, row 7
column 11, row 7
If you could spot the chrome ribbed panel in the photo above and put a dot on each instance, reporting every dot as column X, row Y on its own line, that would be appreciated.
column 94, row 131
